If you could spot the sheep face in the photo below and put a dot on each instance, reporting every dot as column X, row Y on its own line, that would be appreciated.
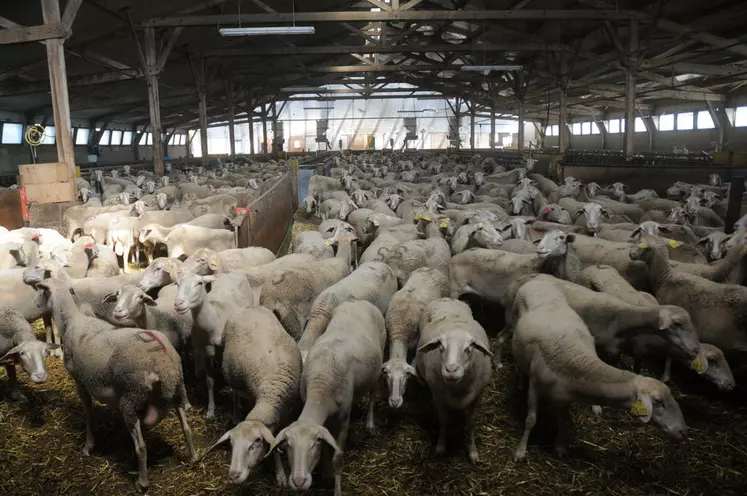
column 303, row 445
column 396, row 373
column 150, row 187
column 518, row 228
column 158, row 274
column 31, row 356
column 594, row 213
column 34, row 274
column 677, row 327
column 479, row 179
column 456, row 348
column 556, row 213
column 655, row 403
column 249, row 443
column 487, row 236
column 554, row 244
column 165, row 181
column 393, row 201
column 202, row 262
column 126, row 170
column 617, row 190
column 518, row 202
column 714, row 180
column 191, row 292
column 130, row 303
column 717, row 368
column 359, row 196
column 162, row 200
column 715, row 245
column 593, row 189
column 84, row 194
column 309, row 204
column 346, row 208
column 115, row 173
column 680, row 215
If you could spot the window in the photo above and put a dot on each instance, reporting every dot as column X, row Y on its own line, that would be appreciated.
column 49, row 135
column 666, row 122
column 12, row 133
column 595, row 128
column 127, row 138
column 586, row 128
column 148, row 139
column 105, row 137
column 81, row 137
column 182, row 139
column 172, row 141
column 740, row 117
column 116, row 137
column 704, row 120
column 576, row 128
column 613, row 126
column 685, row 121
column 640, row 126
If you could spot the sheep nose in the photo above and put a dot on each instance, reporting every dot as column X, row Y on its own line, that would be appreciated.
column 40, row 377
column 395, row 402
column 299, row 480
column 234, row 476
column 452, row 367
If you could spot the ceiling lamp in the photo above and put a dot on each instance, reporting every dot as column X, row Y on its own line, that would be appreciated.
column 481, row 68
column 266, row 31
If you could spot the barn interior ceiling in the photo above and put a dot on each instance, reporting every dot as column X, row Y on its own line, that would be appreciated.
column 586, row 50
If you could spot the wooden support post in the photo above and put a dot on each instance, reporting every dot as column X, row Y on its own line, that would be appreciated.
column 154, row 101
column 563, row 117
column 263, row 109
column 243, row 236
column 602, row 131
column 734, row 207
column 135, row 143
column 228, row 85
column 250, row 118
column 202, row 108
column 630, row 90
column 520, row 144
column 472, row 140
column 492, row 129
column 275, row 147
column 720, row 121
column 458, row 115
column 58, row 83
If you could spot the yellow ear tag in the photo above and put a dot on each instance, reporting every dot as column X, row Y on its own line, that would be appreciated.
column 642, row 245
column 697, row 365
column 674, row 244
column 416, row 216
column 427, row 219
column 444, row 224
column 327, row 243
column 639, row 409
column 213, row 262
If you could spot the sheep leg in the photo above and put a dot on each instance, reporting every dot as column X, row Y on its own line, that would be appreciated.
column 185, row 399
column 443, row 420
column 211, row 397
column 280, row 478
column 531, row 420
column 474, row 456
column 370, row 417
column 133, row 425
column 187, row 431
column 236, row 404
column 667, row 370
column 562, row 437
column 85, row 399
column 13, row 384
column 337, row 456
column 502, row 337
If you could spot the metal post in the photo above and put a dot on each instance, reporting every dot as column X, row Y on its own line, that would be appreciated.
column 458, row 115
column 154, row 105
column 630, row 90
column 202, row 108
column 228, row 83
column 720, row 124
column 492, row 129
column 58, row 86
column 274, row 126
column 250, row 117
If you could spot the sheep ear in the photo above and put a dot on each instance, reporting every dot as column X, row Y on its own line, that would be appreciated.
column 702, row 241
column 327, row 437
column 606, row 213
column 636, row 232
column 665, row 229
column 642, row 408
column 577, row 213
column 111, row 297
column 148, row 300
column 570, row 238
column 266, row 434
column 10, row 357
column 225, row 437
column 479, row 346
column 430, row 345
column 279, row 439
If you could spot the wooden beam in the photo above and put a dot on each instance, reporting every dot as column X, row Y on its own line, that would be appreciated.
column 168, row 48
column 59, row 93
column 228, row 87
column 250, row 117
column 393, row 16
column 68, row 17
column 46, row 31
column 154, row 103
column 630, row 89
column 702, row 69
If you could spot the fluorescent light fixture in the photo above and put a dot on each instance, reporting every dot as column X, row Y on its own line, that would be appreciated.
column 318, row 108
column 263, row 31
column 293, row 89
column 480, row 68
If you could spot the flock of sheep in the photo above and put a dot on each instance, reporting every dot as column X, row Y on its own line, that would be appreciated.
column 585, row 275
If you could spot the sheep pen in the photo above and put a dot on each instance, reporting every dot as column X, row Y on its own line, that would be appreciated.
column 41, row 444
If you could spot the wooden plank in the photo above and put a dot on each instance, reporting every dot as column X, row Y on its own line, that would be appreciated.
column 43, row 173
column 51, row 192
column 33, row 33
column 71, row 10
